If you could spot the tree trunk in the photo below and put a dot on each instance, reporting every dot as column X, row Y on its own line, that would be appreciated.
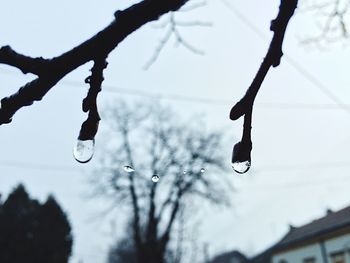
column 151, row 254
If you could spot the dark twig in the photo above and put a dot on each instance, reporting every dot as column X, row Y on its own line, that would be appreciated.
column 26, row 64
column 90, row 126
column 193, row 6
column 51, row 71
column 272, row 58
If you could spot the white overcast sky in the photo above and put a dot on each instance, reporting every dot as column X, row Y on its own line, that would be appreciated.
column 300, row 155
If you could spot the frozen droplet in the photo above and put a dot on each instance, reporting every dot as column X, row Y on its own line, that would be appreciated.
column 184, row 172
column 155, row 178
column 202, row 170
column 241, row 167
column 128, row 169
column 84, row 150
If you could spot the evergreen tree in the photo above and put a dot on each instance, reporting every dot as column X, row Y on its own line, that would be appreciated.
column 32, row 232
column 55, row 233
column 17, row 227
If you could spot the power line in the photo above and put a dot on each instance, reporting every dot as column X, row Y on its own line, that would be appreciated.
column 298, row 167
column 223, row 102
column 261, row 169
column 207, row 101
column 297, row 66
column 43, row 167
column 299, row 184
column 219, row 102
column 168, row 96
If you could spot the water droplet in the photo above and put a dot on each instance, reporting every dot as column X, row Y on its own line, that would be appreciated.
column 155, row 178
column 128, row 169
column 241, row 167
column 202, row 170
column 184, row 172
column 84, row 150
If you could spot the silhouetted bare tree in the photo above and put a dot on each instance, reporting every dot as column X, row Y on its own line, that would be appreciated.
column 122, row 251
column 150, row 142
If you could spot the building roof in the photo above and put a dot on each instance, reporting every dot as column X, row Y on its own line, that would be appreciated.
column 264, row 257
column 333, row 221
column 230, row 257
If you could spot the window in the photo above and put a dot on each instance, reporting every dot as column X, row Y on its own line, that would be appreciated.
column 309, row 260
column 338, row 257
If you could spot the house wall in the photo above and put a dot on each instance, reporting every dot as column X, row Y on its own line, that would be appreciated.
column 332, row 245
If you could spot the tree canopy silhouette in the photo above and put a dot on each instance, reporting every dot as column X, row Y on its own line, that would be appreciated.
column 159, row 178
column 32, row 232
column 123, row 251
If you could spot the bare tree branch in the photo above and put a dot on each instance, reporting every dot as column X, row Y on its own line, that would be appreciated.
column 171, row 25
column 159, row 152
column 241, row 150
column 134, row 197
column 51, row 71
column 26, row 64
column 193, row 6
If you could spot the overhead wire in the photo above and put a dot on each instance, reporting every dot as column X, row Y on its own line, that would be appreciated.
column 37, row 166
column 292, row 62
column 136, row 92
column 256, row 172
column 260, row 169
column 215, row 102
column 219, row 102
column 298, row 167
column 298, row 184
column 339, row 104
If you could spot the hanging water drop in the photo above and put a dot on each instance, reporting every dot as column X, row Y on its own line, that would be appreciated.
column 128, row 169
column 241, row 167
column 202, row 170
column 241, row 160
column 84, row 150
column 155, row 178
column 184, row 172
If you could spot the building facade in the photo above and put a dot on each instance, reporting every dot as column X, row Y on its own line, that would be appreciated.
column 334, row 249
column 325, row 240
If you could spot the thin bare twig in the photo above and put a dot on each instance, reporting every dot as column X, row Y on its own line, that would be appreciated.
column 171, row 25
column 242, row 150
column 332, row 25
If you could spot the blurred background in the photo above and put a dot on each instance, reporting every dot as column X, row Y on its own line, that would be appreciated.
column 177, row 110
